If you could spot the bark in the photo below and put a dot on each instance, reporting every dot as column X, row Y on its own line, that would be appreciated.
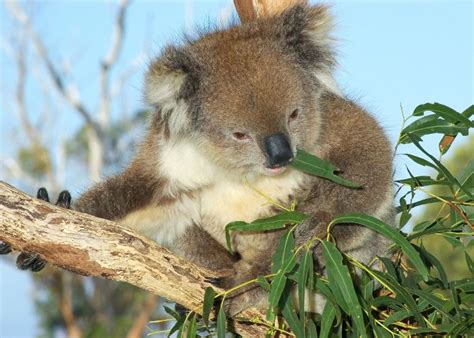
column 92, row 246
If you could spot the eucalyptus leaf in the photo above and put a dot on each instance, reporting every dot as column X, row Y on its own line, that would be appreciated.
column 290, row 315
column 279, row 221
column 209, row 295
column 328, row 315
column 221, row 323
column 339, row 277
column 192, row 327
column 313, row 165
column 389, row 232
column 304, row 271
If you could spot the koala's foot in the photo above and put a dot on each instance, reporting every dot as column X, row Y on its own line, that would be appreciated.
column 31, row 261
column 255, row 297
column 244, row 296
column 180, row 309
column 5, row 248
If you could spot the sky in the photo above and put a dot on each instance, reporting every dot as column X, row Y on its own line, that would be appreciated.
column 391, row 54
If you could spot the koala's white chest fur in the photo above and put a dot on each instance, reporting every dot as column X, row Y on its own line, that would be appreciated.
column 208, row 196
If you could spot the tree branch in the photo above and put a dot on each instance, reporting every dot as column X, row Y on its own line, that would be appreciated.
column 108, row 62
column 93, row 246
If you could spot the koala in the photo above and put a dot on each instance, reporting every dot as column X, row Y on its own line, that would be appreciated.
column 230, row 110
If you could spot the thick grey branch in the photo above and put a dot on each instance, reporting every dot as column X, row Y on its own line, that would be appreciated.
column 92, row 246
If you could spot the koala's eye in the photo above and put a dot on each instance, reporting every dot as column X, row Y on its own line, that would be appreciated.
column 294, row 115
column 241, row 136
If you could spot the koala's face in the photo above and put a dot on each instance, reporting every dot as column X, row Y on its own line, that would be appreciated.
column 248, row 95
column 256, row 108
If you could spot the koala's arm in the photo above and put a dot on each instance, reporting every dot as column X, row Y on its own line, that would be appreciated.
column 119, row 195
column 355, row 144
column 139, row 187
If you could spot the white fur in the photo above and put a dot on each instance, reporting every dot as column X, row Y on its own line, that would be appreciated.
column 166, row 222
column 313, row 301
column 185, row 166
column 162, row 88
column 221, row 198
column 327, row 80
column 320, row 29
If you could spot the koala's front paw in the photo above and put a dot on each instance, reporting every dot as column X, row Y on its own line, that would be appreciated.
column 238, row 301
column 5, row 248
column 241, row 298
column 29, row 260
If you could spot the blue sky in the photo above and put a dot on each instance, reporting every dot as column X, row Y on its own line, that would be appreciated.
column 391, row 53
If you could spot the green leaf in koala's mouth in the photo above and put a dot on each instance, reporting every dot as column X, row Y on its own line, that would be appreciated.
column 313, row 165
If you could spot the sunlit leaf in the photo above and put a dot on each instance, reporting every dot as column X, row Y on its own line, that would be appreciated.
column 221, row 323
column 401, row 293
column 433, row 261
column 284, row 251
column 304, row 271
column 328, row 315
column 290, row 314
column 313, row 165
column 263, row 283
column 442, row 169
column 443, row 111
column 340, row 278
column 270, row 223
column 209, row 295
column 434, row 301
column 389, row 232
column 192, row 327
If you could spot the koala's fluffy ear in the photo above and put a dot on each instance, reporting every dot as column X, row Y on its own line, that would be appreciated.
column 306, row 30
column 171, row 79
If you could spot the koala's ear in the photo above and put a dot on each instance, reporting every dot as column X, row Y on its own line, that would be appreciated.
column 169, row 82
column 171, row 77
column 306, row 30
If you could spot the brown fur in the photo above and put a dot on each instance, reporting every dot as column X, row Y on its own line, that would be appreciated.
column 185, row 183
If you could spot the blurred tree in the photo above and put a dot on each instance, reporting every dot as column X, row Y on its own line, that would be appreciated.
column 68, row 304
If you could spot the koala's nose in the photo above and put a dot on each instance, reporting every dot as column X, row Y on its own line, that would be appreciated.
column 278, row 150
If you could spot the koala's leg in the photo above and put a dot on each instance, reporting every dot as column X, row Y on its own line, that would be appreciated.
column 32, row 261
column 247, row 296
column 256, row 254
column 199, row 247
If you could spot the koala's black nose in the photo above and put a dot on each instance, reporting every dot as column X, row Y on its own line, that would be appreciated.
column 278, row 150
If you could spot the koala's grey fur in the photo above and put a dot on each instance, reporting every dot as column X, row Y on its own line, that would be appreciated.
column 191, row 177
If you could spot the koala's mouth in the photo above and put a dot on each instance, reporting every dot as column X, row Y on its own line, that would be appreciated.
column 274, row 171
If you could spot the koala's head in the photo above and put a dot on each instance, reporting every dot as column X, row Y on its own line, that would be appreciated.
column 248, row 95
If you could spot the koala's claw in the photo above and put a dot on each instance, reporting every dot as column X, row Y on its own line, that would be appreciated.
column 64, row 199
column 42, row 194
column 181, row 310
column 216, row 281
column 5, row 248
column 31, row 261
